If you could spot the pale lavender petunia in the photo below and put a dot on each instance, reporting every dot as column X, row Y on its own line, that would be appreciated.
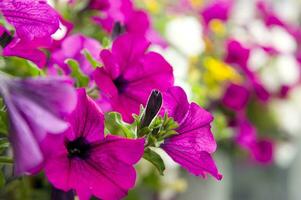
column 194, row 143
column 130, row 74
column 87, row 161
column 36, row 107
column 73, row 47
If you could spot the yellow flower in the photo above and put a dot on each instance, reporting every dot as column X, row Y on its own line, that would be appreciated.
column 217, row 27
column 220, row 71
column 196, row 3
column 152, row 5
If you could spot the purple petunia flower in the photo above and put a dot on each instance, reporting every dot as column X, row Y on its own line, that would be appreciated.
column 193, row 145
column 130, row 74
column 236, row 97
column 261, row 149
column 89, row 162
column 73, row 47
column 35, row 107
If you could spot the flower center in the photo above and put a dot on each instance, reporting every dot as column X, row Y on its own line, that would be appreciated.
column 120, row 84
column 5, row 39
column 78, row 148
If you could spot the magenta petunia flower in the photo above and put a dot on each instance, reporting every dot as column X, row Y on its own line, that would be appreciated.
column 237, row 54
column 35, row 107
column 261, row 150
column 73, row 47
column 131, row 20
column 193, row 145
column 32, row 19
column 236, row 97
column 89, row 162
column 130, row 74
column 218, row 9
column 14, row 46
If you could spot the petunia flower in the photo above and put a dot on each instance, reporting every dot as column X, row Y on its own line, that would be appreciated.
column 130, row 74
column 236, row 97
column 73, row 47
column 36, row 107
column 87, row 161
column 132, row 20
column 261, row 150
column 218, row 9
column 237, row 54
column 194, row 143
column 33, row 20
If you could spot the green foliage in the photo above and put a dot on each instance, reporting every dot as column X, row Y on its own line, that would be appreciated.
column 94, row 63
column 81, row 79
column 155, row 159
column 116, row 126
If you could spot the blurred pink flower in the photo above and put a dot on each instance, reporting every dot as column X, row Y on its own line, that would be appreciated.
column 217, row 9
column 236, row 97
column 89, row 162
column 193, row 145
column 260, row 149
column 130, row 74
column 73, row 47
column 35, row 107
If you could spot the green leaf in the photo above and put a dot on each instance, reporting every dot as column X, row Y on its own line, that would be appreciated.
column 2, row 179
column 91, row 60
column 81, row 79
column 3, row 123
column 116, row 126
column 155, row 159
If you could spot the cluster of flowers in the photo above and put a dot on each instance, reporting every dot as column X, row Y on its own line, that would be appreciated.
column 248, row 48
column 61, row 128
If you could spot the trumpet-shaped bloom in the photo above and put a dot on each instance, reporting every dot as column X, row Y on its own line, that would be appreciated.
column 130, row 74
column 89, row 162
column 194, row 143
column 74, row 47
column 35, row 107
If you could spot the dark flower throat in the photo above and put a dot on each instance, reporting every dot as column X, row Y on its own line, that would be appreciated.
column 120, row 84
column 79, row 148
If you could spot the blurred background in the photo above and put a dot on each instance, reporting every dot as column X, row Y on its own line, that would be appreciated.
column 239, row 59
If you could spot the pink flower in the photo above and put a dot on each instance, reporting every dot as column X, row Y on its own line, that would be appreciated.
column 32, row 19
column 260, row 149
column 36, row 107
column 132, row 20
column 218, row 9
column 14, row 46
column 89, row 162
column 237, row 54
column 193, row 145
column 34, row 22
column 130, row 74
column 236, row 97
column 73, row 47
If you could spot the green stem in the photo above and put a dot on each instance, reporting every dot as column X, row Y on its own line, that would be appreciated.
column 6, row 160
